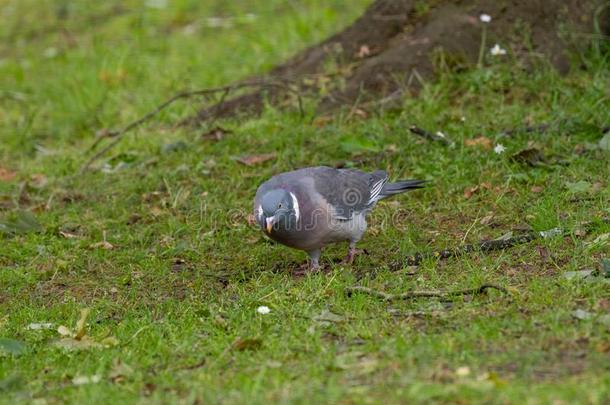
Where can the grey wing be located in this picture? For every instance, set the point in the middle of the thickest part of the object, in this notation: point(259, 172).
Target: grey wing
point(348, 191)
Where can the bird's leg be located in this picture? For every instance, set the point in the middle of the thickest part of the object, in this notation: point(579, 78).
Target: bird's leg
point(351, 253)
point(313, 265)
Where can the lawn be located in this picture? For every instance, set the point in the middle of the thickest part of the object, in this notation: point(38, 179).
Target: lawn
point(154, 242)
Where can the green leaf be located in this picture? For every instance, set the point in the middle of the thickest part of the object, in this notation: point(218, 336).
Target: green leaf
point(605, 268)
point(22, 222)
point(12, 346)
point(604, 143)
point(11, 383)
point(355, 144)
point(173, 147)
point(578, 187)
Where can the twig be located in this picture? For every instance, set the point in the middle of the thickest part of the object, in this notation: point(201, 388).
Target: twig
point(424, 294)
point(439, 136)
point(118, 135)
point(490, 245)
point(529, 129)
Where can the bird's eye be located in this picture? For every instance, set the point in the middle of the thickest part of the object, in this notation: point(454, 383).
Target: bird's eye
point(279, 205)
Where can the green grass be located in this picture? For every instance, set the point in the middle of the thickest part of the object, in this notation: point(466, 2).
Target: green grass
point(183, 281)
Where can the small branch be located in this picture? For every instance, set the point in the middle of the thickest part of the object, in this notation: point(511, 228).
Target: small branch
point(484, 246)
point(526, 130)
point(438, 137)
point(118, 135)
point(491, 245)
point(424, 294)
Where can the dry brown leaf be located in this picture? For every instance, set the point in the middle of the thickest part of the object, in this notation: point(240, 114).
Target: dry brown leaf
point(469, 191)
point(6, 174)
point(322, 121)
point(252, 160)
point(82, 323)
point(102, 245)
point(75, 344)
point(486, 219)
point(68, 235)
point(215, 134)
point(38, 180)
point(481, 141)
point(537, 189)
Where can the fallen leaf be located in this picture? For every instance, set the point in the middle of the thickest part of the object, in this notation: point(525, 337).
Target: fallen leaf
point(82, 323)
point(11, 383)
point(120, 371)
point(38, 180)
point(326, 317)
point(583, 315)
point(70, 344)
point(11, 346)
point(581, 186)
point(322, 121)
point(580, 274)
point(172, 147)
point(247, 344)
point(252, 160)
point(469, 191)
point(102, 245)
point(358, 144)
point(355, 362)
point(530, 156)
point(215, 134)
point(134, 219)
point(481, 141)
point(6, 174)
point(604, 143)
point(605, 267)
point(21, 222)
point(110, 341)
point(486, 219)
point(68, 235)
point(537, 189)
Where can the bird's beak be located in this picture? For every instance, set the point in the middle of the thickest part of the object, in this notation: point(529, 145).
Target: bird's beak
point(269, 222)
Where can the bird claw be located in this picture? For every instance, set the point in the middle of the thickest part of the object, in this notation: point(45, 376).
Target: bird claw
point(351, 254)
point(307, 268)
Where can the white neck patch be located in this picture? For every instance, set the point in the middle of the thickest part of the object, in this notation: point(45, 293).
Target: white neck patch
point(259, 212)
point(295, 206)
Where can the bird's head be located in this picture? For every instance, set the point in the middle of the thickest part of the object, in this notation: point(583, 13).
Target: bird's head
point(279, 209)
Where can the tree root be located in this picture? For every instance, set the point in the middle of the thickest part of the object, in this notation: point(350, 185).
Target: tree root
point(424, 294)
point(116, 136)
point(490, 245)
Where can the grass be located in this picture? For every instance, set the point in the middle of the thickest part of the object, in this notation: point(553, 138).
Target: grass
point(180, 287)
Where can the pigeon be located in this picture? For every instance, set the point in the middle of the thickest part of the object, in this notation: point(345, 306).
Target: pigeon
point(310, 208)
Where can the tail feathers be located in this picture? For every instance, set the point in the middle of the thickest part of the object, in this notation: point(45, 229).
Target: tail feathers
point(390, 189)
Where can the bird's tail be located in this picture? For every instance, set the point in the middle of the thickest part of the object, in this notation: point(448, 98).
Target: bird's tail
point(390, 189)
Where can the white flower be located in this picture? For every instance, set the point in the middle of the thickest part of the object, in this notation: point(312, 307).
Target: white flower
point(486, 18)
point(499, 148)
point(263, 310)
point(496, 50)
point(442, 135)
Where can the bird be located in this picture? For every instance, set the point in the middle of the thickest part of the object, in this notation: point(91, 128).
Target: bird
point(312, 207)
